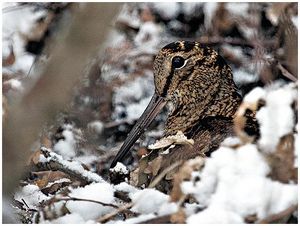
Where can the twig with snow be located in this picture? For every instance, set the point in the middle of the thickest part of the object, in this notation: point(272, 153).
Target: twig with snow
point(74, 169)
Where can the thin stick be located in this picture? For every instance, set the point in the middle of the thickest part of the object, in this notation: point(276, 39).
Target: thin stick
point(286, 73)
point(109, 216)
point(278, 216)
point(164, 173)
point(86, 200)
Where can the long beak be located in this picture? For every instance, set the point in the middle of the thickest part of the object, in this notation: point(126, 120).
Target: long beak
point(152, 110)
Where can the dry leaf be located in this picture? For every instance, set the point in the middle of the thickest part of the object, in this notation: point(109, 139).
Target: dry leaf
point(179, 138)
point(10, 59)
point(184, 173)
point(34, 157)
point(179, 217)
point(282, 161)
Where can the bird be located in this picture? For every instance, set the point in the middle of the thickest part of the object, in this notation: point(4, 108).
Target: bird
point(198, 84)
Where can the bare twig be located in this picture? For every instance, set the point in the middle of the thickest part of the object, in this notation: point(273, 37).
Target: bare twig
point(286, 73)
point(164, 173)
point(28, 208)
point(278, 216)
point(68, 198)
point(109, 216)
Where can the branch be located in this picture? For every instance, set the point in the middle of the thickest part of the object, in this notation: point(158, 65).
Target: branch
point(86, 200)
point(73, 169)
point(109, 216)
point(164, 173)
point(278, 216)
point(286, 73)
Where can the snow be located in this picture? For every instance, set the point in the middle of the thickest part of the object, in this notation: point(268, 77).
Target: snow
point(131, 18)
point(237, 8)
point(18, 25)
point(120, 168)
point(138, 219)
point(231, 141)
point(278, 106)
point(66, 147)
point(241, 77)
point(125, 187)
point(167, 208)
point(134, 111)
point(189, 8)
point(102, 192)
point(295, 21)
point(296, 146)
point(255, 95)
point(148, 38)
point(96, 126)
point(167, 9)
point(86, 159)
point(72, 218)
point(72, 166)
point(215, 216)
point(148, 200)
point(31, 194)
point(132, 98)
point(209, 11)
point(234, 184)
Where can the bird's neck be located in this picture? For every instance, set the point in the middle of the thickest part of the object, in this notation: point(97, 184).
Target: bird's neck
point(190, 111)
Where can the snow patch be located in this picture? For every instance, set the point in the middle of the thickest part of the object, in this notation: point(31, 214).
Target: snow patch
point(31, 194)
point(233, 184)
point(276, 118)
point(96, 126)
point(120, 168)
point(148, 200)
point(66, 147)
point(102, 192)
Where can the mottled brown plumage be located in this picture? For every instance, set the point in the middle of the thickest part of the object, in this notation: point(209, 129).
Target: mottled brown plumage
point(203, 88)
point(198, 83)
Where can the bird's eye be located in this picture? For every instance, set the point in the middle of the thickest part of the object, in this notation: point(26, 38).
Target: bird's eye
point(178, 62)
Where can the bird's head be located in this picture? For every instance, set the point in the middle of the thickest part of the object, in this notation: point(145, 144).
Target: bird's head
point(184, 63)
point(190, 76)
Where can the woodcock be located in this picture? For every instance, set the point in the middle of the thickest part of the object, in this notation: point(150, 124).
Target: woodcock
point(199, 84)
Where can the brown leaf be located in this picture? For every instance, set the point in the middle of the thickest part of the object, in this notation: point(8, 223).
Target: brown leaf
point(41, 183)
point(282, 161)
point(34, 157)
point(53, 188)
point(184, 173)
point(46, 142)
point(51, 175)
point(10, 59)
point(179, 217)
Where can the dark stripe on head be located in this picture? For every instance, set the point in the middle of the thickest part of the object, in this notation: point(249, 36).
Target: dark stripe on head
point(220, 62)
point(168, 83)
point(188, 46)
point(185, 46)
point(206, 51)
